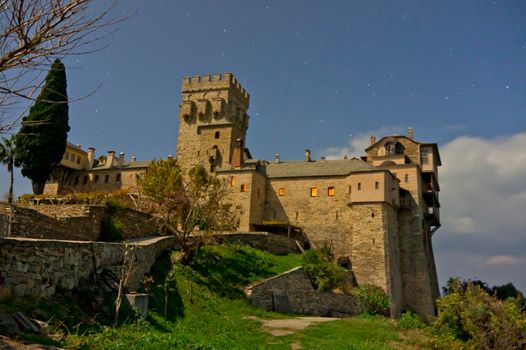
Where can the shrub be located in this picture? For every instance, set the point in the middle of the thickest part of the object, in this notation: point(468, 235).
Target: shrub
point(371, 300)
point(410, 320)
point(324, 275)
point(111, 229)
point(469, 313)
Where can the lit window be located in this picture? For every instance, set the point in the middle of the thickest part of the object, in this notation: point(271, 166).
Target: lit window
point(406, 178)
point(313, 191)
point(243, 188)
point(281, 192)
point(376, 185)
point(331, 191)
point(359, 186)
point(233, 181)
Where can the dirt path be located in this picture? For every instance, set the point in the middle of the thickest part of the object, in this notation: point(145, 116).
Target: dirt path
point(291, 325)
point(11, 344)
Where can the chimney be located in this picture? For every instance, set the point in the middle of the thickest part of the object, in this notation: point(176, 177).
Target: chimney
point(91, 157)
point(307, 155)
point(237, 156)
point(410, 133)
point(373, 139)
point(121, 159)
point(111, 159)
point(133, 158)
point(277, 159)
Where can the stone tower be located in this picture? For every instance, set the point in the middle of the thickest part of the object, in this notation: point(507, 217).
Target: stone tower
point(213, 122)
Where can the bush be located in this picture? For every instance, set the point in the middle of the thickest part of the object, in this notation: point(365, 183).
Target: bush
point(371, 300)
point(411, 320)
point(469, 313)
point(111, 229)
point(324, 275)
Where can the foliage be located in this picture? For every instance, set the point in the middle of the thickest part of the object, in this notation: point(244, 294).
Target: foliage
point(7, 157)
point(371, 300)
point(41, 140)
point(188, 202)
point(323, 274)
point(411, 320)
point(111, 227)
point(469, 313)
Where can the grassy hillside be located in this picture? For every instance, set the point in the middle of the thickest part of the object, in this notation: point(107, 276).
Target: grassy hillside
point(207, 310)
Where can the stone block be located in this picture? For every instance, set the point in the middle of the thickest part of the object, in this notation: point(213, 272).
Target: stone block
point(138, 301)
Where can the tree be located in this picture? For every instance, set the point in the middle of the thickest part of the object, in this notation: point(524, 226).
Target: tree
point(41, 141)
point(188, 202)
point(7, 156)
point(34, 31)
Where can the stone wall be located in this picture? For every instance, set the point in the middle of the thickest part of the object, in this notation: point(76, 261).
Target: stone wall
point(30, 223)
point(73, 221)
point(37, 268)
point(292, 292)
point(268, 242)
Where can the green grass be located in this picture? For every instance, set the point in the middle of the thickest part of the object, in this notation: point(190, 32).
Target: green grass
point(206, 310)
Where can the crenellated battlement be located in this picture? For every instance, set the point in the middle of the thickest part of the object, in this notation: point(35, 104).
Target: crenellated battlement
point(214, 82)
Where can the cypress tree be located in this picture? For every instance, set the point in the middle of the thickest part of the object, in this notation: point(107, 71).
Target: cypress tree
point(41, 141)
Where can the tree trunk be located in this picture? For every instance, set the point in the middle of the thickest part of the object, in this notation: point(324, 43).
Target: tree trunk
point(38, 187)
point(10, 195)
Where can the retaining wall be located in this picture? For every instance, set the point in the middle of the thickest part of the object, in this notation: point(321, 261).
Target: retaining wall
point(292, 292)
point(37, 267)
point(268, 242)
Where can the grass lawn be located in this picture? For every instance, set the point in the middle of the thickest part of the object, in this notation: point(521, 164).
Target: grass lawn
point(207, 310)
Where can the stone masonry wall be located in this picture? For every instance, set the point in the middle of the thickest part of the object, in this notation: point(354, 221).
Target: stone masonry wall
point(32, 224)
point(292, 292)
point(37, 268)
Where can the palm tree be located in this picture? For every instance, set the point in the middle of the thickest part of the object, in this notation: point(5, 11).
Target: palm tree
point(7, 155)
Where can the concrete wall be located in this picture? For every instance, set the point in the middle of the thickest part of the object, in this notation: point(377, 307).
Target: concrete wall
point(35, 267)
point(292, 292)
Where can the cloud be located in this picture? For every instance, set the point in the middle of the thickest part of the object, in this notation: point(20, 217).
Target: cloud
point(357, 144)
point(504, 260)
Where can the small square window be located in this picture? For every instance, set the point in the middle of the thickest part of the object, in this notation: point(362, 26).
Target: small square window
point(376, 185)
point(331, 191)
point(281, 192)
point(406, 178)
point(313, 191)
point(359, 186)
point(243, 188)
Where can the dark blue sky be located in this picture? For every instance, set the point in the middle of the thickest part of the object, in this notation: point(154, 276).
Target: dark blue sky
point(324, 75)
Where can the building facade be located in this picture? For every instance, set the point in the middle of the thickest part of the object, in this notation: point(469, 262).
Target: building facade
point(379, 211)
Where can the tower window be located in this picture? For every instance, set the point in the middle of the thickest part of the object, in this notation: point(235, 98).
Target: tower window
point(406, 178)
point(350, 189)
point(376, 185)
point(331, 191)
point(313, 191)
point(232, 181)
point(359, 186)
point(281, 192)
point(216, 135)
point(243, 188)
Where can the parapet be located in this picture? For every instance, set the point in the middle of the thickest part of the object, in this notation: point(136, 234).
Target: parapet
point(214, 82)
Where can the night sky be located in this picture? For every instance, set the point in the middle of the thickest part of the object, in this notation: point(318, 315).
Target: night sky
point(324, 76)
